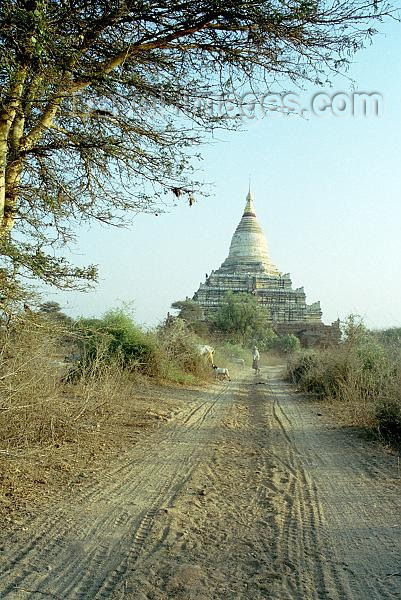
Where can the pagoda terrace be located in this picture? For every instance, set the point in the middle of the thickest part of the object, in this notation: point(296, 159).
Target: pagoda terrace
point(249, 268)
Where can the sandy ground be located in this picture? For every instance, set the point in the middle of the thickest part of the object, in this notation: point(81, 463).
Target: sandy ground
point(249, 491)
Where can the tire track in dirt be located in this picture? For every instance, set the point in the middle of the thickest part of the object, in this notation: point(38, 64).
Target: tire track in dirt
point(254, 521)
point(84, 551)
point(257, 522)
point(298, 550)
point(247, 494)
point(356, 487)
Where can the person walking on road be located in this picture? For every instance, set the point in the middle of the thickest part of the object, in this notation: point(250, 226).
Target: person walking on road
point(255, 360)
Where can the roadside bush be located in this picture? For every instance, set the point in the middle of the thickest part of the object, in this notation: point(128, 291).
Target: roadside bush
point(41, 402)
point(30, 407)
point(286, 344)
point(178, 354)
point(264, 338)
point(300, 367)
point(317, 372)
point(169, 352)
point(362, 376)
point(388, 416)
point(36, 407)
point(114, 338)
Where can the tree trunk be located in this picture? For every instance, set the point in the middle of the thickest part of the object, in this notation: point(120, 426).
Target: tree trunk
point(7, 118)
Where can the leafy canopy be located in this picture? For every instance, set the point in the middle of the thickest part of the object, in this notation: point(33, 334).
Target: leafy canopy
point(189, 310)
point(99, 103)
point(239, 313)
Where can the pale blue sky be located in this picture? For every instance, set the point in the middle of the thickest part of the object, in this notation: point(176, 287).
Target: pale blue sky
point(326, 195)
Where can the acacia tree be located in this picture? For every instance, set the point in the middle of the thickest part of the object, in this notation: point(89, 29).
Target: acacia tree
point(80, 134)
point(53, 312)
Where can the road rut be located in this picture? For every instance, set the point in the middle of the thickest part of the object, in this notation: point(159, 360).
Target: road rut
point(248, 493)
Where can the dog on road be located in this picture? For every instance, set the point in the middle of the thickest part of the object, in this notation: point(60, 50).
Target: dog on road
point(221, 373)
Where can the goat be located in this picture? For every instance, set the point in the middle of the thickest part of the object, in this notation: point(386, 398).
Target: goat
point(221, 372)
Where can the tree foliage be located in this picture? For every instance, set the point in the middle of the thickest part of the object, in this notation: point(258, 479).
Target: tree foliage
point(113, 337)
point(83, 134)
point(167, 352)
point(242, 317)
point(286, 344)
point(53, 312)
point(189, 310)
point(239, 314)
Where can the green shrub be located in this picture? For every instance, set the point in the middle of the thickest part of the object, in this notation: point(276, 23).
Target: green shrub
point(286, 344)
point(264, 338)
point(114, 337)
point(169, 352)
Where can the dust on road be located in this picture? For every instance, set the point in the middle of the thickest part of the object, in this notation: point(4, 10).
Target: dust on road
point(248, 493)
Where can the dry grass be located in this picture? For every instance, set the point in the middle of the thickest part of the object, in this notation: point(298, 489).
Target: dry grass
point(30, 407)
point(177, 357)
point(54, 433)
point(362, 381)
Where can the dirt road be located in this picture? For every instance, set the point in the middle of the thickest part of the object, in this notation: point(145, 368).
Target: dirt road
point(248, 493)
